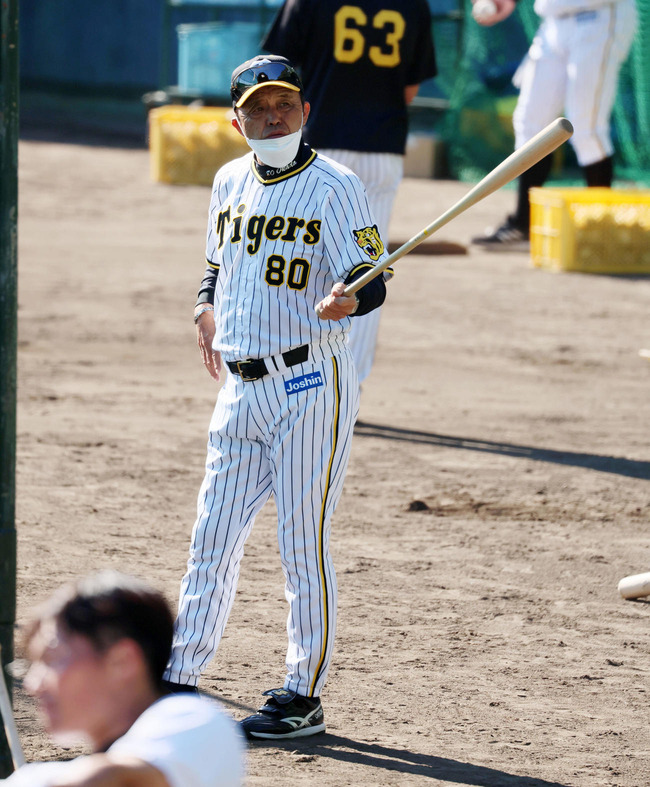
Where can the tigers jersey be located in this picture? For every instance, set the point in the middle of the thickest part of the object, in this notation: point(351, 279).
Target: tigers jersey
point(279, 246)
point(355, 59)
point(277, 242)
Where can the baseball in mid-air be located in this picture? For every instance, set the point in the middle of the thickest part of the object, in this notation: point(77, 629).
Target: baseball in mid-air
point(482, 9)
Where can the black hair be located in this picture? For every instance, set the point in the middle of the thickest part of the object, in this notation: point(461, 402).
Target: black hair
point(109, 606)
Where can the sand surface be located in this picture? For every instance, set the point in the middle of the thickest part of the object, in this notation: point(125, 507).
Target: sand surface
point(498, 487)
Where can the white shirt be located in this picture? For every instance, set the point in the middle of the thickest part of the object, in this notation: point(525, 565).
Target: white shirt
point(280, 248)
point(188, 738)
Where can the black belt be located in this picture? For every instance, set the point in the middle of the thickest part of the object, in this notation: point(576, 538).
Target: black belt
point(254, 368)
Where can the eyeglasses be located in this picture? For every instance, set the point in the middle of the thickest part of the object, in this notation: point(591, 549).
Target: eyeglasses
point(264, 72)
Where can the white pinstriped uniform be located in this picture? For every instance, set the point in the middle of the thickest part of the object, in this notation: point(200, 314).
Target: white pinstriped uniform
point(572, 67)
point(381, 174)
point(289, 432)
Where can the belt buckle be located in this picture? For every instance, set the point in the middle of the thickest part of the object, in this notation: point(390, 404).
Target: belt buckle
point(245, 377)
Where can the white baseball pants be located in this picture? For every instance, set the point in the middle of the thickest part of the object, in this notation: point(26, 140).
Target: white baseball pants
point(295, 446)
point(572, 67)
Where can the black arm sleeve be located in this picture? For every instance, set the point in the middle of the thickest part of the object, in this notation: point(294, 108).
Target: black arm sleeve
point(371, 295)
point(208, 283)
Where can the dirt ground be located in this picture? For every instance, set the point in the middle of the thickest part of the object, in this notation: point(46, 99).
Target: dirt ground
point(498, 488)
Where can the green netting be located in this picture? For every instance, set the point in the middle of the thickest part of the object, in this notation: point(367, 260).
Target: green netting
point(478, 126)
point(632, 110)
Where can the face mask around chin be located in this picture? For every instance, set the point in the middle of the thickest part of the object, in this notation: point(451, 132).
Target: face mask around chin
point(276, 152)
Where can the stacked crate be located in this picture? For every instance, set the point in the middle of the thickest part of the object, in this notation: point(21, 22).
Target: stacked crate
point(591, 230)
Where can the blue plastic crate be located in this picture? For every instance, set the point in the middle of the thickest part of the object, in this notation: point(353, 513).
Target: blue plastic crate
point(209, 53)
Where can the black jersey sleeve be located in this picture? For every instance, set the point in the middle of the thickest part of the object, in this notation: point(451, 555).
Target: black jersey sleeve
point(289, 33)
point(423, 64)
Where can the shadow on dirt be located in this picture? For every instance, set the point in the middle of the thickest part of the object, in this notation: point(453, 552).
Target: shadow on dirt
point(402, 761)
point(633, 468)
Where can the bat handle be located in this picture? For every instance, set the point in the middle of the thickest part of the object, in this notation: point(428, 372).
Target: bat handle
point(522, 159)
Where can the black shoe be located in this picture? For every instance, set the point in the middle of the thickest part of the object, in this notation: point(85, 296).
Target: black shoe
point(507, 237)
point(178, 688)
point(285, 715)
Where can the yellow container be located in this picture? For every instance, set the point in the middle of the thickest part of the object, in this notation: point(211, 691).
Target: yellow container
point(596, 230)
point(189, 144)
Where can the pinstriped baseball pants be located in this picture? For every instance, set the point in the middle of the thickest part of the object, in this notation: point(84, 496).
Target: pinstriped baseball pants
point(295, 446)
point(574, 63)
point(381, 174)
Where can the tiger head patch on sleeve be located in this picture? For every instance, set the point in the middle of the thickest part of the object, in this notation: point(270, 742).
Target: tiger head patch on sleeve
point(368, 239)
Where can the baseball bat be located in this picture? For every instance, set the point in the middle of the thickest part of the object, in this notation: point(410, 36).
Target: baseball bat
point(522, 159)
point(9, 722)
point(635, 586)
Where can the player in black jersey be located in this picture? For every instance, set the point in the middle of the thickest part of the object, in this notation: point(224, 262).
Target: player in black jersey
point(361, 62)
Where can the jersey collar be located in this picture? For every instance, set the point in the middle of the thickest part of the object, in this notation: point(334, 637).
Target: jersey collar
point(269, 175)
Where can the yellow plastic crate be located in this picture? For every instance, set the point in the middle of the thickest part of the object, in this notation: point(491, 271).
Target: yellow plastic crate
point(189, 144)
point(596, 230)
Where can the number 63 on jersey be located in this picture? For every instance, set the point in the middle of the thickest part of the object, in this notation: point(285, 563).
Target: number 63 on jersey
point(351, 27)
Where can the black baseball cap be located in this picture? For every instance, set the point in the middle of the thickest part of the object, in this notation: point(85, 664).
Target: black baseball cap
point(260, 71)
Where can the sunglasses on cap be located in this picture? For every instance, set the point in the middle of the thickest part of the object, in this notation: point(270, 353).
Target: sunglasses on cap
point(266, 72)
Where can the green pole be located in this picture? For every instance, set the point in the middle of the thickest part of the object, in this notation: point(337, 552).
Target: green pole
point(163, 77)
point(8, 336)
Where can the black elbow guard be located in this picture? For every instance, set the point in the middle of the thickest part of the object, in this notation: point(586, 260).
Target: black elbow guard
point(371, 295)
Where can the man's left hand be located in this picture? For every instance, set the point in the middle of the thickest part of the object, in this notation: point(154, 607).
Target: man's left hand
point(336, 306)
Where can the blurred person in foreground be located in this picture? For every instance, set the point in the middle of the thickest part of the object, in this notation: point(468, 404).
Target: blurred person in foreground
point(572, 67)
point(97, 650)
